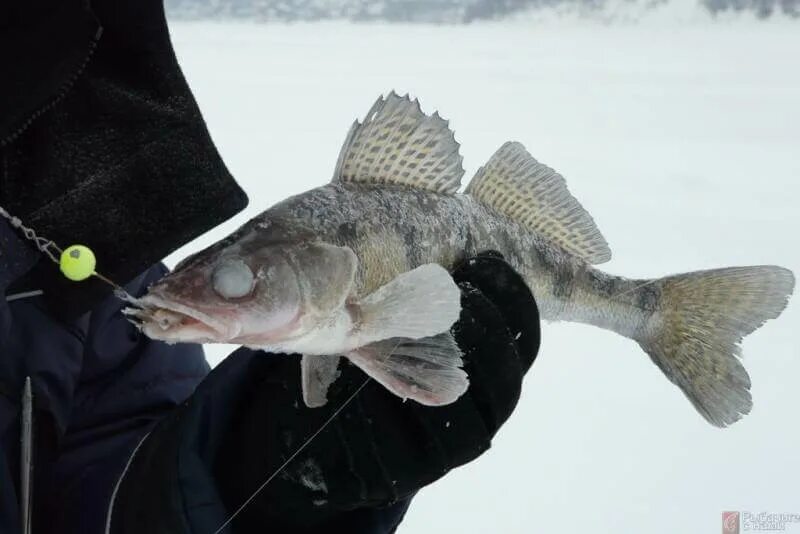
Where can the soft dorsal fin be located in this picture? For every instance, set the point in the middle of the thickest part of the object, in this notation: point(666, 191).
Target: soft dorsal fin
point(398, 144)
point(533, 194)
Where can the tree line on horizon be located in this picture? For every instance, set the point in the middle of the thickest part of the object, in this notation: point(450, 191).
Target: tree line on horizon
point(430, 11)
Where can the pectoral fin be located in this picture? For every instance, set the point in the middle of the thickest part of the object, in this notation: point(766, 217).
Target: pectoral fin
point(419, 303)
point(317, 374)
point(426, 370)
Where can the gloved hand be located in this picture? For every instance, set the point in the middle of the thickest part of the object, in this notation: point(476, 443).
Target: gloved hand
point(357, 474)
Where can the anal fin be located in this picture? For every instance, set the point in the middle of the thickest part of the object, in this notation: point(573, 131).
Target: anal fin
point(426, 370)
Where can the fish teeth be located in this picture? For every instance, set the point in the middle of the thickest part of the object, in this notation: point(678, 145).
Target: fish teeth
point(137, 316)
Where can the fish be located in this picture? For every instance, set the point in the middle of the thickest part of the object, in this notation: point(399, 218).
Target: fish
point(359, 269)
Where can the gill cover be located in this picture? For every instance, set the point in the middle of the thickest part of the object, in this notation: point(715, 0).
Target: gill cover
point(325, 275)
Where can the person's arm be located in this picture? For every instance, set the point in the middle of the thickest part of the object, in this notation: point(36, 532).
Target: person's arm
point(359, 474)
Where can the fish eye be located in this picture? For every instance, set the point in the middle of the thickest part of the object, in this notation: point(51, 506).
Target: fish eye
point(232, 279)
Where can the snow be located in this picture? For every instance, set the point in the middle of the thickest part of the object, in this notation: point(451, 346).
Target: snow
point(681, 138)
point(309, 475)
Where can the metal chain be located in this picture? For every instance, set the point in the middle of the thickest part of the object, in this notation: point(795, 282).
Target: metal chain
point(53, 251)
point(46, 246)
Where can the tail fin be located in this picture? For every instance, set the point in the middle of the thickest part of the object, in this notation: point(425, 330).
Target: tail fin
point(694, 337)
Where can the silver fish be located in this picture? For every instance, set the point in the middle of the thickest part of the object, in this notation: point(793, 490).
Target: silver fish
point(359, 268)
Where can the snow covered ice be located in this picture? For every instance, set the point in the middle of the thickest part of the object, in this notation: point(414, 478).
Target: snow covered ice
point(680, 135)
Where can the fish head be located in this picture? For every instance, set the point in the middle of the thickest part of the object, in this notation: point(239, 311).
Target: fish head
point(245, 294)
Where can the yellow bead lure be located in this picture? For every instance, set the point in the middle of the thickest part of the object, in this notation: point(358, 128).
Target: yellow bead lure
point(77, 262)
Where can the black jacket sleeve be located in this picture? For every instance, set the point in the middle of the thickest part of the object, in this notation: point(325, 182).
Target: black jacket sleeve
point(359, 473)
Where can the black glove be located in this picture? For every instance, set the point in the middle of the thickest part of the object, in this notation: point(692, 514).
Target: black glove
point(248, 417)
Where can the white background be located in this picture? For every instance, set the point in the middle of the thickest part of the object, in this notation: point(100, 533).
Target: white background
point(680, 135)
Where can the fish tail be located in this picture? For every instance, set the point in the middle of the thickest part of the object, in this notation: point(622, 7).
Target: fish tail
point(690, 324)
point(694, 334)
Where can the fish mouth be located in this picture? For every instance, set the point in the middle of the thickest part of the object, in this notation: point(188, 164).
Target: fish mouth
point(167, 320)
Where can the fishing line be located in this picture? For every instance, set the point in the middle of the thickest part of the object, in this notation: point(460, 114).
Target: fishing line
point(293, 456)
point(634, 288)
point(303, 446)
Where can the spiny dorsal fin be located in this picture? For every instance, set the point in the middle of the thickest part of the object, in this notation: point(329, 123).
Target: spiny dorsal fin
point(534, 195)
point(398, 144)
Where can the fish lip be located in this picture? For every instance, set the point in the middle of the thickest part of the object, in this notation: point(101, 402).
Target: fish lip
point(153, 302)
